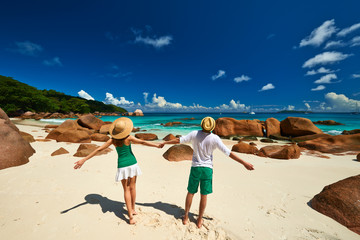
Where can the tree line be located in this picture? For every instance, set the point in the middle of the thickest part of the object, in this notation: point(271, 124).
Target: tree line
point(17, 97)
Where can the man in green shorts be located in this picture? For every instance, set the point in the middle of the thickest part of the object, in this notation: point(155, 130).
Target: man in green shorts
point(204, 143)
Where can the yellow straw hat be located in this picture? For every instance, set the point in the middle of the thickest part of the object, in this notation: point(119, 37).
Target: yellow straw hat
point(208, 124)
point(121, 128)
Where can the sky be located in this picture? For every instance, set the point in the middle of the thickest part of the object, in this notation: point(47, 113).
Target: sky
point(188, 56)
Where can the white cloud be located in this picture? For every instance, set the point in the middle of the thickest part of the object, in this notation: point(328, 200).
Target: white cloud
point(85, 95)
point(320, 70)
point(53, 62)
point(308, 106)
point(146, 97)
point(159, 102)
point(334, 44)
point(220, 74)
point(267, 87)
point(348, 30)
point(355, 76)
point(325, 58)
point(318, 88)
point(290, 107)
point(27, 48)
point(355, 41)
point(242, 78)
point(326, 79)
point(155, 42)
point(320, 34)
point(110, 99)
point(341, 103)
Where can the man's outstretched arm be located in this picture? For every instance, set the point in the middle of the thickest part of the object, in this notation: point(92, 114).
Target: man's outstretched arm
point(247, 165)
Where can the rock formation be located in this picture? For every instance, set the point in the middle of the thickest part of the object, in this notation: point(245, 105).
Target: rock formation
point(242, 147)
point(296, 126)
point(179, 152)
point(146, 136)
point(340, 201)
point(333, 144)
point(272, 127)
point(226, 127)
point(280, 152)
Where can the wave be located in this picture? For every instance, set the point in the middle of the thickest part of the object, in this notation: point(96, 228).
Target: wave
point(53, 120)
point(334, 132)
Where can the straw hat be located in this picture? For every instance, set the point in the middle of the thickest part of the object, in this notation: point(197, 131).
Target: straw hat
point(121, 128)
point(208, 124)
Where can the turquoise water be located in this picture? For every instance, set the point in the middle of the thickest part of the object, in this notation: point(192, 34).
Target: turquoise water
point(151, 122)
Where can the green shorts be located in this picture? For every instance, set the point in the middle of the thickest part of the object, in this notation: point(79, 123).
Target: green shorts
point(202, 175)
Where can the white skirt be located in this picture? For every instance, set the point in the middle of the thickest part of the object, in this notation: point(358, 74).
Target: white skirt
point(127, 172)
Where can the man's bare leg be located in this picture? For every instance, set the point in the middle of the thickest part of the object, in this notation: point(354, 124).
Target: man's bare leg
point(203, 201)
point(188, 201)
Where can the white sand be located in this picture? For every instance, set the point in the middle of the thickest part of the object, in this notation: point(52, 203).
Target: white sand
point(48, 199)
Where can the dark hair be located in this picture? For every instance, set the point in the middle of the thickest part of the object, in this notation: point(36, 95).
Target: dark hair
point(119, 142)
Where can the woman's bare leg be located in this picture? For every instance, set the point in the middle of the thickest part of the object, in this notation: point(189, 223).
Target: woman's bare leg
point(127, 196)
point(133, 193)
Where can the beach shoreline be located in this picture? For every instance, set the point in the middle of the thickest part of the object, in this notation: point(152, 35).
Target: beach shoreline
point(55, 201)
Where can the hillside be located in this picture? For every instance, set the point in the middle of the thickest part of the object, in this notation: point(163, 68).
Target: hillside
point(17, 97)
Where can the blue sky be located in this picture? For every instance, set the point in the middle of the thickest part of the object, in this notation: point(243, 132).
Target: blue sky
point(188, 55)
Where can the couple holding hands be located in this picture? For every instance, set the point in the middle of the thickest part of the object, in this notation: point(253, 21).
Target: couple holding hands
point(204, 142)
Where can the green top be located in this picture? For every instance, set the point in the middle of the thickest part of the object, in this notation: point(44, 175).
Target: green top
point(125, 156)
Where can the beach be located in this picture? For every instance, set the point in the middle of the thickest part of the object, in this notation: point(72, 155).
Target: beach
point(47, 199)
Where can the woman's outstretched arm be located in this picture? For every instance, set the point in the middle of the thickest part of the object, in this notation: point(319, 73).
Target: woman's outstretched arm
point(79, 163)
point(143, 142)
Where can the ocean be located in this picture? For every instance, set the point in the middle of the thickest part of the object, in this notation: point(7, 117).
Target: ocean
point(151, 122)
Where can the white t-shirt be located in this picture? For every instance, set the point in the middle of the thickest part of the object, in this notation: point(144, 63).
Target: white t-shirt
point(204, 144)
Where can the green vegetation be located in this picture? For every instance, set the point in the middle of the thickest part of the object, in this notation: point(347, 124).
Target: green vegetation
point(16, 96)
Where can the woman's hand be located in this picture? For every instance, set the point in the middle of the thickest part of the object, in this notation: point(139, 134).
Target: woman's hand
point(161, 145)
point(79, 163)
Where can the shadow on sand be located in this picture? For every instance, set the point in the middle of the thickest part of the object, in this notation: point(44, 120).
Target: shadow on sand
point(119, 209)
point(107, 205)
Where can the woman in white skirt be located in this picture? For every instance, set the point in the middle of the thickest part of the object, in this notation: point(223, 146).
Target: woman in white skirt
point(128, 168)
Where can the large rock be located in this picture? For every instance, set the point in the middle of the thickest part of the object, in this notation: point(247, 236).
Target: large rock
point(340, 201)
point(4, 116)
point(86, 149)
point(178, 153)
point(169, 137)
point(138, 112)
point(358, 157)
point(350, 132)
point(170, 124)
point(309, 137)
point(280, 152)
point(272, 127)
point(65, 126)
point(297, 126)
point(74, 136)
point(242, 147)
point(333, 144)
point(327, 122)
point(99, 137)
point(226, 127)
point(146, 136)
point(70, 131)
point(90, 121)
point(14, 150)
point(27, 137)
point(60, 151)
point(105, 128)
